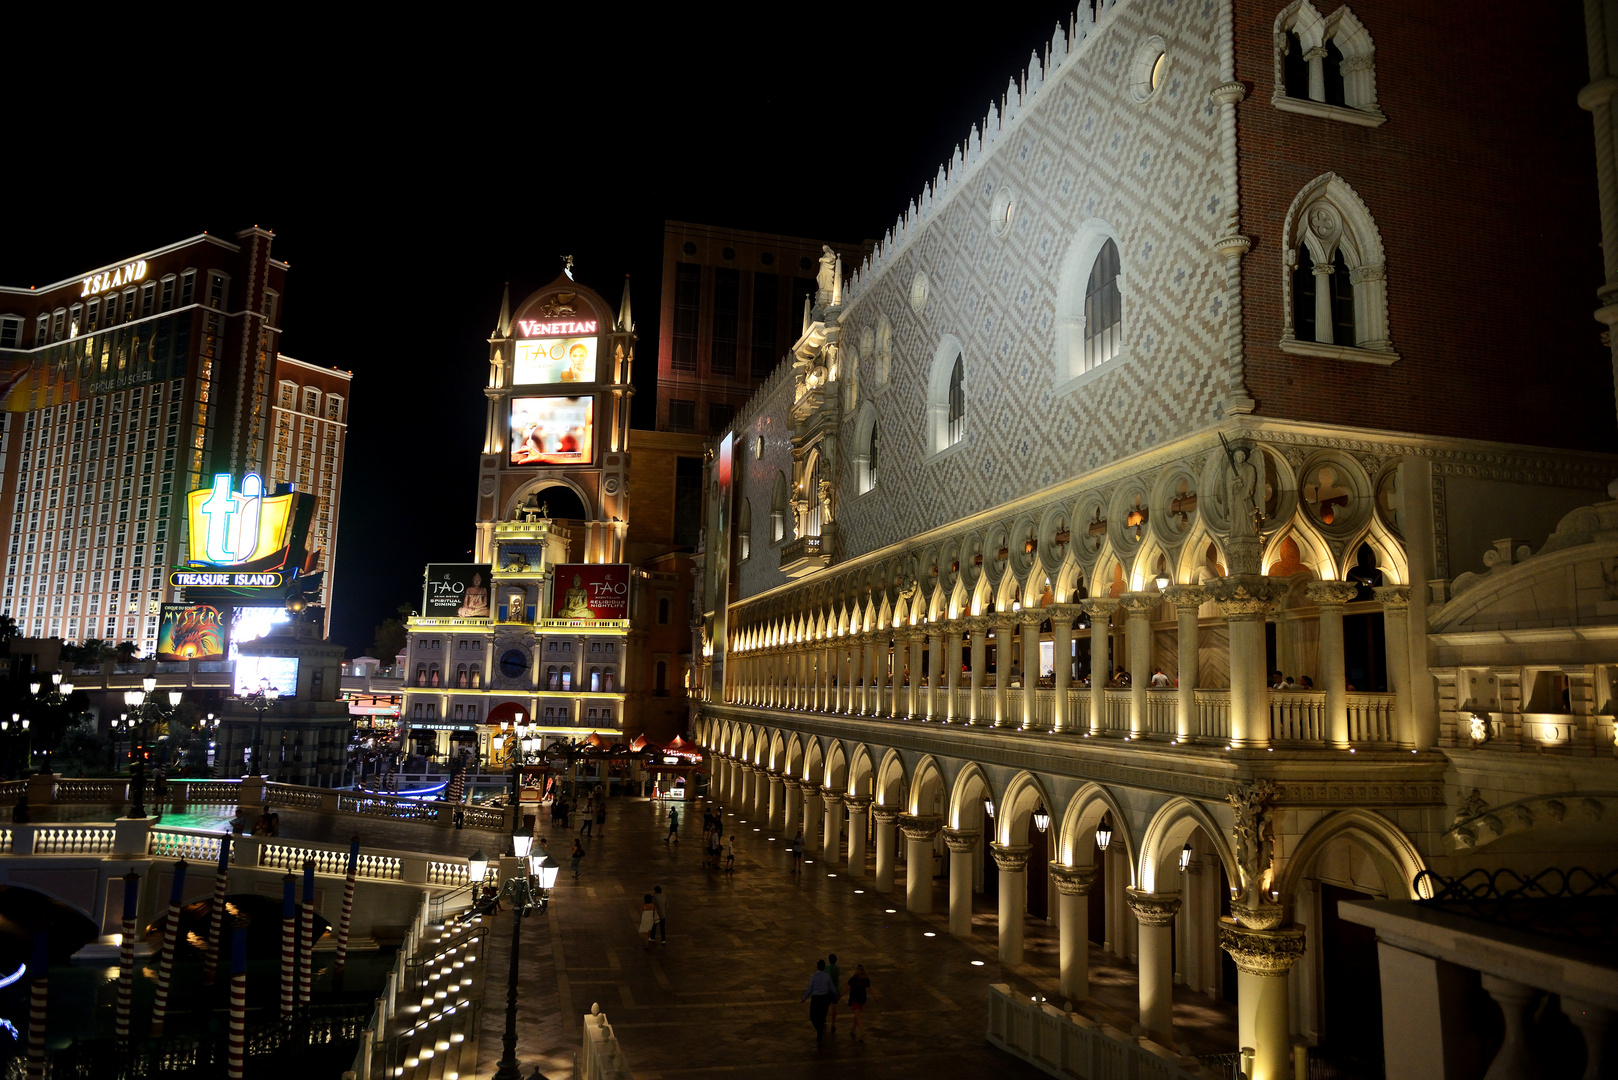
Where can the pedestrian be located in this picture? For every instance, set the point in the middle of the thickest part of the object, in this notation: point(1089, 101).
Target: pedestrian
point(819, 997)
point(238, 822)
point(577, 856)
point(795, 849)
point(835, 973)
point(730, 854)
point(661, 903)
point(648, 918)
point(674, 827)
point(601, 817)
point(586, 823)
point(460, 816)
point(859, 985)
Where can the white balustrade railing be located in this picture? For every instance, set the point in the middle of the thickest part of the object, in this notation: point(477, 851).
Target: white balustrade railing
point(206, 792)
point(1162, 712)
point(1071, 1045)
point(1370, 718)
point(1078, 710)
point(1013, 717)
point(73, 839)
point(101, 792)
point(1212, 719)
point(1044, 709)
point(1298, 716)
point(1115, 720)
point(192, 845)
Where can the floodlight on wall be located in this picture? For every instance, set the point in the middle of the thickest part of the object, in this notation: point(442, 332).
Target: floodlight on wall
point(1185, 855)
point(1042, 818)
point(1103, 834)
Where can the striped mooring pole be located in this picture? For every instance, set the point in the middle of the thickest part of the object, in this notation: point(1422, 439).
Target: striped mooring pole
point(238, 1001)
point(306, 953)
point(217, 920)
point(38, 994)
point(348, 910)
point(289, 942)
point(126, 954)
point(165, 965)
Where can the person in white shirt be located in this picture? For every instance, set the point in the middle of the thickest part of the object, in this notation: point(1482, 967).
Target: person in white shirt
point(1159, 680)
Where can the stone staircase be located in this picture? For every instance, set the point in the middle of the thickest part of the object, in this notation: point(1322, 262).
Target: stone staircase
point(436, 1036)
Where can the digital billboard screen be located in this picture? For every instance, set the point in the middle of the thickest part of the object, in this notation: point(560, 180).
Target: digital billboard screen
point(551, 430)
point(192, 632)
point(554, 360)
point(277, 676)
point(590, 591)
point(456, 591)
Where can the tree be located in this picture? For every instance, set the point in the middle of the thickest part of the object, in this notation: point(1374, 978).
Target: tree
point(126, 651)
point(389, 640)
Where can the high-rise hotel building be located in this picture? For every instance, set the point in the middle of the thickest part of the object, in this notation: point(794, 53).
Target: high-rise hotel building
point(121, 389)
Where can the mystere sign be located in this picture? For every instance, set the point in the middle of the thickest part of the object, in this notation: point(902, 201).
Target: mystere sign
point(591, 591)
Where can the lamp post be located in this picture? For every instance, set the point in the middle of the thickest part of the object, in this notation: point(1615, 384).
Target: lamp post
point(51, 707)
point(148, 709)
point(259, 702)
point(527, 891)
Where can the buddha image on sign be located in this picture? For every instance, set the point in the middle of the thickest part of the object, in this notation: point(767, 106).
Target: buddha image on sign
point(576, 601)
point(475, 601)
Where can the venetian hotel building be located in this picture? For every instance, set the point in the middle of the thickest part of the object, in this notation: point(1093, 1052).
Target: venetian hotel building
point(124, 387)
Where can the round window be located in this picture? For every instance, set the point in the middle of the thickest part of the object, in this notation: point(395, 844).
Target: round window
point(1001, 211)
point(514, 663)
point(689, 248)
point(918, 292)
point(1149, 69)
point(728, 253)
point(767, 258)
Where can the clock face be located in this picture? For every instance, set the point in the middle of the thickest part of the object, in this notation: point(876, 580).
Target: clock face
point(514, 663)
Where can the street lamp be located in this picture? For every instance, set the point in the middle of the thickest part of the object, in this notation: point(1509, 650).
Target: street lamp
point(259, 702)
point(148, 709)
point(52, 708)
point(528, 892)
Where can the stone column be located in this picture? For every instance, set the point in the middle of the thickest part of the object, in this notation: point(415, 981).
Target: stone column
point(884, 818)
point(962, 843)
point(1073, 928)
point(1012, 859)
point(857, 805)
point(1186, 600)
point(1030, 667)
point(1246, 599)
point(919, 833)
point(1155, 912)
point(1100, 612)
point(792, 792)
point(1005, 623)
point(935, 674)
point(952, 668)
point(831, 843)
point(1396, 621)
point(917, 709)
point(773, 815)
point(845, 677)
point(1062, 655)
point(733, 780)
point(868, 704)
point(749, 790)
point(828, 678)
point(1263, 958)
point(811, 815)
point(883, 646)
point(1329, 597)
point(1139, 606)
point(978, 627)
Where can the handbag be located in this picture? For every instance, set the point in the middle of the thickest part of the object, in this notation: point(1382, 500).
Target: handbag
point(646, 917)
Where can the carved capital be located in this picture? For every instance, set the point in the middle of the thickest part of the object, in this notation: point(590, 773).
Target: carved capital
point(1100, 609)
point(1058, 613)
point(1033, 616)
point(978, 624)
point(920, 828)
point(1153, 909)
point(1230, 93)
point(857, 804)
point(791, 785)
point(1233, 246)
point(1073, 880)
point(830, 794)
point(1261, 952)
point(1186, 596)
point(1139, 605)
point(1012, 858)
point(775, 775)
point(1246, 595)
point(961, 840)
point(1330, 593)
point(1393, 596)
point(885, 815)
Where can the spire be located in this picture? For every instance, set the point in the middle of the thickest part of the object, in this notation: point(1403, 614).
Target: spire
point(806, 320)
point(837, 284)
point(502, 325)
point(626, 317)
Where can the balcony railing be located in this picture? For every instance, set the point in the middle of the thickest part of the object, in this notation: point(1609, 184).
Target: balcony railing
point(804, 555)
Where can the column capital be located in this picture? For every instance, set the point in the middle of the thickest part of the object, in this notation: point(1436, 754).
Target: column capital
point(1330, 593)
point(1099, 607)
point(978, 624)
point(791, 783)
point(885, 815)
point(1033, 616)
point(1246, 595)
point(920, 828)
point(1261, 952)
point(961, 840)
point(1073, 880)
point(776, 775)
point(857, 804)
point(1058, 612)
point(830, 794)
point(1153, 909)
point(1139, 605)
point(1393, 596)
point(1012, 858)
point(1186, 596)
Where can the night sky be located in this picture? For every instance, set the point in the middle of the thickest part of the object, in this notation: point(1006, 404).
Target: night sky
point(408, 173)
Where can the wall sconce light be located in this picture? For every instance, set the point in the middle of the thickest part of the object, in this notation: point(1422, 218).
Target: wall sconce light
point(1185, 856)
point(1042, 818)
point(1163, 581)
point(1103, 834)
point(988, 805)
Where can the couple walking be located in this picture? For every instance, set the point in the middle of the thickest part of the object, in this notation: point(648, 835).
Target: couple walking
point(826, 988)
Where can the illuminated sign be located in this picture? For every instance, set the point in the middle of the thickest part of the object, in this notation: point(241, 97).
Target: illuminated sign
point(591, 591)
point(217, 579)
point(551, 430)
point(115, 278)
point(191, 632)
point(231, 528)
point(457, 591)
point(277, 676)
point(558, 328)
point(553, 360)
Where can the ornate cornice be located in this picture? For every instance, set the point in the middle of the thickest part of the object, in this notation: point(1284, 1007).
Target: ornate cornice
point(1012, 858)
point(962, 840)
point(1186, 596)
point(1073, 880)
point(920, 827)
point(1266, 953)
point(1153, 909)
point(1330, 593)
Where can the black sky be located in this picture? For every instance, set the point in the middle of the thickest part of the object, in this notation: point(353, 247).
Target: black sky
point(409, 170)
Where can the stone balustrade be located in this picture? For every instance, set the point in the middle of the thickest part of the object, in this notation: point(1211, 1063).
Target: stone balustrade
point(1068, 1044)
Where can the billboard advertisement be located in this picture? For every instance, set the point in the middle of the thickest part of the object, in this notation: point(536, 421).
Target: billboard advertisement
point(191, 632)
point(551, 430)
point(247, 528)
point(277, 676)
point(590, 591)
point(251, 622)
point(456, 591)
point(554, 360)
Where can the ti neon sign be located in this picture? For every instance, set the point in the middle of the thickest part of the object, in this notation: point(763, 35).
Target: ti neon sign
point(126, 274)
point(234, 528)
point(219, 579)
